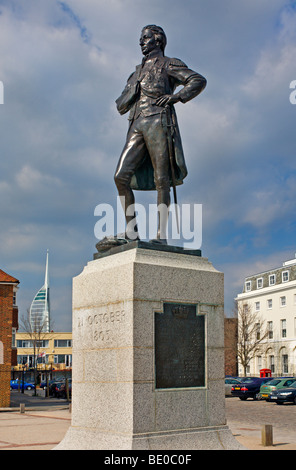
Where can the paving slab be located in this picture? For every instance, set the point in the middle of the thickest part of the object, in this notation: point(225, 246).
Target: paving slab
point(43, 427)
point(33, 430)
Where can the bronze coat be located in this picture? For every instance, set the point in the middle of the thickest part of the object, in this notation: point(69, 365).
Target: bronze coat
point(152, 79)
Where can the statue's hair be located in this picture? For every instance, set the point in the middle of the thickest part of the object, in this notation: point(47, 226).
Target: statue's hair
point(159, 34)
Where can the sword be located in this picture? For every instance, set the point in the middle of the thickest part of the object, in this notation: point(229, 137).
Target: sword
point(170, 132)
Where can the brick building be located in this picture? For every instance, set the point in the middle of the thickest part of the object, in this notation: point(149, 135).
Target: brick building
point(230, 341)
point(8, 328)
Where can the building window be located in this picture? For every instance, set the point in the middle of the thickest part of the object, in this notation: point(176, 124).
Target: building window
point(13, 338)
point(62, 343)
point(259, 363)
point(260, 283)
point(283, 328)
point(25, 343)
point(285, 276)
point(271, 364)
point(248, 286)
point(272, 279)
point(257, 330)
point(269, 303)
point(42, 358)
point(1, 353)
point(285, 359)
point(25, 360)
point(283, 301)
point(44, 343)
point(14, 298)
point(257, 306)
point(63, 359)
point(270, 329)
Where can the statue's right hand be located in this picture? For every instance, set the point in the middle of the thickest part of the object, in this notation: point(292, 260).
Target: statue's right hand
point(166, 100)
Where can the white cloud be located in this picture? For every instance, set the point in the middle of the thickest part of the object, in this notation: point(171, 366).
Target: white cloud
point(273, 73)
point(30, 179)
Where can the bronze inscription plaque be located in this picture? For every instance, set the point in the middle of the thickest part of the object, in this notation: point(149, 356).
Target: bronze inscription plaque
point(179, 347)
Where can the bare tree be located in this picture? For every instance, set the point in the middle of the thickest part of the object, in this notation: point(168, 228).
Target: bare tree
point(37, 333)
point(252, 331)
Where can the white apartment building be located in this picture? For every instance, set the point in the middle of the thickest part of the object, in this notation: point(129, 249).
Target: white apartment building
point(272, 294)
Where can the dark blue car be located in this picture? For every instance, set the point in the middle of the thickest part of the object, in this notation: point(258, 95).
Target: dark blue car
point(283, 395)
point(15, 384)
point(249, 387)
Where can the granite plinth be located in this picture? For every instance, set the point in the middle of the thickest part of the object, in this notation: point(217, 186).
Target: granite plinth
point(147, 246)
point(116, 402)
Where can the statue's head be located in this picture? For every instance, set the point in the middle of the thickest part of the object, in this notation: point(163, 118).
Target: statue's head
point(152, 37)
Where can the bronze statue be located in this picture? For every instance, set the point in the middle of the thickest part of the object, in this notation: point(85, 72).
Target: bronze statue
point(153, 157)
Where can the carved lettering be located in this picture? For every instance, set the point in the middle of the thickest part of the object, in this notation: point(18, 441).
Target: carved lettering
point(102, 335)
point(101, 326)
point(112, 317)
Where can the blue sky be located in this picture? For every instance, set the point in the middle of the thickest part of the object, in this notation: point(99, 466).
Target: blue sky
point(63, 64)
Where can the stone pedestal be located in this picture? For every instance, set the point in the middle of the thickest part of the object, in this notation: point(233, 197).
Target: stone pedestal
point(130, 388)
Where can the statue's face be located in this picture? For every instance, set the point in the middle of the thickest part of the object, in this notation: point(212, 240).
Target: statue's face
point(147, 41)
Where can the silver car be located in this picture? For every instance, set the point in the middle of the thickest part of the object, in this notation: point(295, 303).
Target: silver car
point(229, 382)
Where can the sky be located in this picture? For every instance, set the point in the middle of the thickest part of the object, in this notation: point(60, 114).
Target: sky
point(64, 63)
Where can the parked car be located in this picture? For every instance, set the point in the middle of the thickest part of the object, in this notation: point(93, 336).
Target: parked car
point(61, 390)
point(53, 387)
point(58, 389)
point(249, 387)
point(15, 384)
point(229, 382)
point(274, 384)
point(283, 395)
point(44, 384)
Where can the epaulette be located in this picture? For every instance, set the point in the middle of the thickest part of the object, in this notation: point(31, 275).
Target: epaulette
point(177, 63)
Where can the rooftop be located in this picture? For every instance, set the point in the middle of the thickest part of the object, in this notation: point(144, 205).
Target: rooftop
point(276, 278)
point(4, 277)
point(285, 264)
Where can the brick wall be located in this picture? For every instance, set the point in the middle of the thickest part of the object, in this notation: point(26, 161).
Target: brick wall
point(4, 386)
point(6, 315)
point(230, 341)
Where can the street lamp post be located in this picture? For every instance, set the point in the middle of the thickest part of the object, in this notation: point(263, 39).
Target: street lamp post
point(23, 378)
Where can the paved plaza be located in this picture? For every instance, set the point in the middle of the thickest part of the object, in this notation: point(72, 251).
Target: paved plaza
point(246, 418)
point(46, 421)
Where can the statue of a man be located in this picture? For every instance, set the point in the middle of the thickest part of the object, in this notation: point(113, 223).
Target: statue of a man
point(152, 157)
